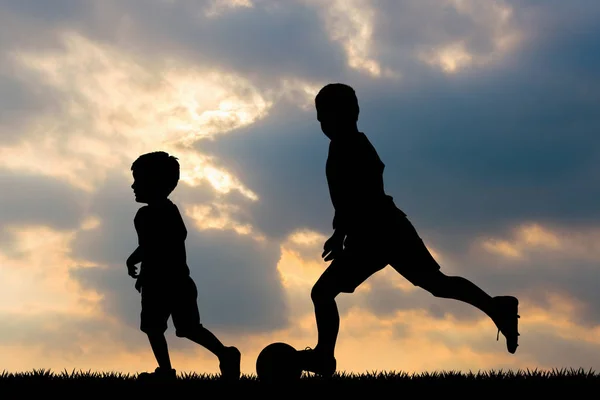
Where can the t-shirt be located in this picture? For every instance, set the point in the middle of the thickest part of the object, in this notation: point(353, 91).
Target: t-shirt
point(355, 178)
point(161, 236)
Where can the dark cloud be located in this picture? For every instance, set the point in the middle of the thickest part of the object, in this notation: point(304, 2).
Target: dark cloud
point(60, 11)
point(19, 101)
point(466, 155)
point(55, 333)
point(261, 42)
point(476, 152)
point(404, 28)
point(282, 159)
point(34, 200)
point(239, 285)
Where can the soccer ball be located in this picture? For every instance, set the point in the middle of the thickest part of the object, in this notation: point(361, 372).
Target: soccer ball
point(277, 363)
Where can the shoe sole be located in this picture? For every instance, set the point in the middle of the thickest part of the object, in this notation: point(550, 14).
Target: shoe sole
point(512, 305)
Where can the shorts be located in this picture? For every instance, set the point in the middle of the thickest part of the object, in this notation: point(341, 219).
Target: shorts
point(177, 299)
point(397, 244)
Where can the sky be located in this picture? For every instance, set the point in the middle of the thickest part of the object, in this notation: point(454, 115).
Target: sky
point(485, 113)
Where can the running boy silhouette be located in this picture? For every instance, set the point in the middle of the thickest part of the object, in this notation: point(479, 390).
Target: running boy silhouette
point(370, 232)
point(164, 279)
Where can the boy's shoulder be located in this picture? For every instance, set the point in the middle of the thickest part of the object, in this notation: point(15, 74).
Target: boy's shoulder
point(356, 146)
point(168, 208)
point(141, 213)
point(142, 210)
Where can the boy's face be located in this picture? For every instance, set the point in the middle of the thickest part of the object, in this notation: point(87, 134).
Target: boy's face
point(143, 189)
point(333, 123)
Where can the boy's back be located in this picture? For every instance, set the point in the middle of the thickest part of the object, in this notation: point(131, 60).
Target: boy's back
point(161, 234)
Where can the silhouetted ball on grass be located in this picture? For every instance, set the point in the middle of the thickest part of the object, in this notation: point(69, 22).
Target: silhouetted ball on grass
point(278, 362)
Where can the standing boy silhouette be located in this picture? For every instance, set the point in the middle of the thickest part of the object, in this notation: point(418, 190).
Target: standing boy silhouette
point(164, 279)
point(370, 232)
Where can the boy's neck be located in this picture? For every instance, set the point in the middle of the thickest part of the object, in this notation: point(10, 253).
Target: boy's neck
point(158, 202)
point(345, 133)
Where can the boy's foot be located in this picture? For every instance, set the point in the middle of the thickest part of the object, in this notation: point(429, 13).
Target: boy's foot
point(506, 317)
point(314, 361)
point(230, 364)
point(159, 375)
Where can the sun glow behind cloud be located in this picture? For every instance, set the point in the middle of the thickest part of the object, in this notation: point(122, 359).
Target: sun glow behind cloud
point(114, 108)
point(104, 106)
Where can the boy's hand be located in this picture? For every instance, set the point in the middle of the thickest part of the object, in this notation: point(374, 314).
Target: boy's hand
point(132, 270)
point(333, 247)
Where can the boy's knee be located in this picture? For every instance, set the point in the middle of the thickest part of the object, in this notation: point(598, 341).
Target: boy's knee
point(322, 292)
point(152, 326)
point(435, 283)
point(153, 332)
point(183, 333)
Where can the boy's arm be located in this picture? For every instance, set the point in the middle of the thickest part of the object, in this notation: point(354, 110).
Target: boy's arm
point(338, 227)
point(335, 244)
point(135, 257)
point(132, 260)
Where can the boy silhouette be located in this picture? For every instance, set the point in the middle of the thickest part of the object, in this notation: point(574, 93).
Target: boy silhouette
point(164, 280)
point(370, 232)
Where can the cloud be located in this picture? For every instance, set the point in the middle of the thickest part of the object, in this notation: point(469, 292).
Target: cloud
point(489, 140)
point(449, 35)
point(36, 200)
point(218, 7)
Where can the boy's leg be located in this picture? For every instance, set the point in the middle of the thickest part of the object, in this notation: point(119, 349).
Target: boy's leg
point(154, 316)
point(418, 266)
point(186, 318)
point(158, 342)
point(344, 275)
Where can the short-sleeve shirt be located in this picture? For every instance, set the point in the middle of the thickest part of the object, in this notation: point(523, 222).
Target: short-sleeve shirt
point(161, 237)
point(355, 179)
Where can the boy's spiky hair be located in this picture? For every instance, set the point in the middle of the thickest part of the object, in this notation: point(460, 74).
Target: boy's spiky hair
point(338, 98)
point(163, 168)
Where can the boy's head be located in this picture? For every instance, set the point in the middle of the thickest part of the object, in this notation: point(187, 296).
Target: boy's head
point(155, 176)
point(337, 108)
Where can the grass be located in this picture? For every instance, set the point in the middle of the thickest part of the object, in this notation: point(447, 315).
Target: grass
point(82, 384)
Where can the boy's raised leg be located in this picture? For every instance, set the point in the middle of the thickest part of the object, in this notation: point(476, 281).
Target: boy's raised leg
point(503, 310)
point(421, 269)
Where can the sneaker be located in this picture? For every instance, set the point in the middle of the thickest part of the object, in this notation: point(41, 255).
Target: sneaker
point(313, 361)
point(506, 318)
point(230, 364)
point(159, 375)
